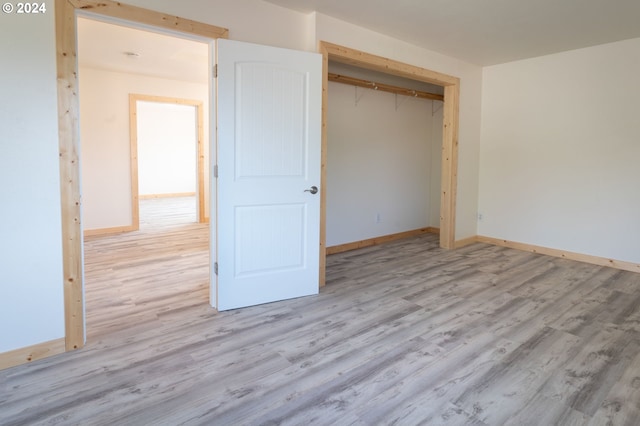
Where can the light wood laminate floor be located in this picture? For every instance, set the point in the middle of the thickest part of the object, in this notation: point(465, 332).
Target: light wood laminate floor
point(404, 333)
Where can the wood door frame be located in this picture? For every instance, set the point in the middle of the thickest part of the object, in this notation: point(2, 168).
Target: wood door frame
point(69, 134)
point(133, 138)
point(451, 108)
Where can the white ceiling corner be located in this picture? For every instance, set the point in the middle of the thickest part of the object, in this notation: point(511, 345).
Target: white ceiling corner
point(487, 32)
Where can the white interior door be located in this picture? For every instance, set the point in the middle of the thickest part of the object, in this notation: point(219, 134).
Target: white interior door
point(268, 222)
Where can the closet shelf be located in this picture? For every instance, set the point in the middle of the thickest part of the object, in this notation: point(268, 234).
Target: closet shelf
point(384, 87)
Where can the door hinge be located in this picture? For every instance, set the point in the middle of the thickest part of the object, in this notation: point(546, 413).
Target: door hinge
point(215, 171)
point(215, 268)
point(215, 71)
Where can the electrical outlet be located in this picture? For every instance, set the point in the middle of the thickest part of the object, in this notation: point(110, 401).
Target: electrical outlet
point(480, 217)
point(378, 217)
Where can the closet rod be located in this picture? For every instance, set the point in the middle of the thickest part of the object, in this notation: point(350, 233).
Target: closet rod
point(384, 87)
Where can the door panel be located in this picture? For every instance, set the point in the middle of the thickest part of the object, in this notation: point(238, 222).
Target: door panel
point(269, 239)
point(269, 118)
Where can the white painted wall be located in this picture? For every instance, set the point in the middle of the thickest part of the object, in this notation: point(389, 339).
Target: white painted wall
point(343, 33)
point(560, 151)
point(167, 141)
point(104, 133)
point(31, 292)
point(379, 164)
point(435, 193)
point(252, 21)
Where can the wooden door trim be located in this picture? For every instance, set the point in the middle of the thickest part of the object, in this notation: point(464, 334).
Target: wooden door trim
point(133, 138)
point(69, 135)
point(451, 107)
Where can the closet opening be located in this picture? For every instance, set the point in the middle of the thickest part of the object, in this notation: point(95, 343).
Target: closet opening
point(370, 73)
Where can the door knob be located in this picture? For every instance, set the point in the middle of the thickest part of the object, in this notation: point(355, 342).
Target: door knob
point(312, 190)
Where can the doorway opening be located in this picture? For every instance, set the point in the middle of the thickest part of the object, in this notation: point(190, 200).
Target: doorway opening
point(135, 86)
point(167, 144)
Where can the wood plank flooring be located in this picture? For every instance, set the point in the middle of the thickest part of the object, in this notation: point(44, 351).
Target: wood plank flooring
point(134, 277)
point(404, 333)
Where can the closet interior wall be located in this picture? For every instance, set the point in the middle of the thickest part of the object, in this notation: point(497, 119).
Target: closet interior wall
point(383, 158)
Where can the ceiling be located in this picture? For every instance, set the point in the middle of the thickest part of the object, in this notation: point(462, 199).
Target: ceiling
point(104, 46)
point(488, 32)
